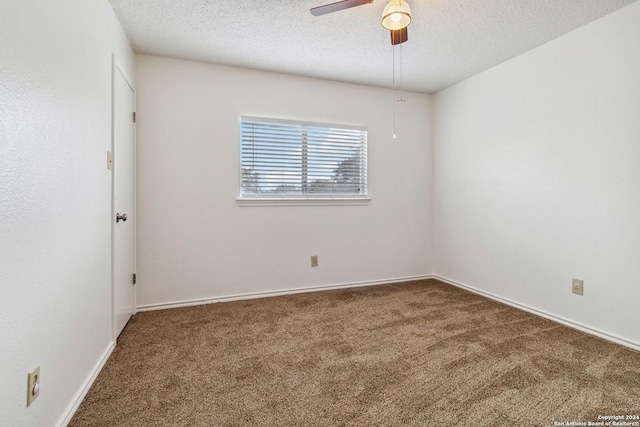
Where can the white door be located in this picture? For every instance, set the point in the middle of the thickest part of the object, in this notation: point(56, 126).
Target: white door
point(123, 202)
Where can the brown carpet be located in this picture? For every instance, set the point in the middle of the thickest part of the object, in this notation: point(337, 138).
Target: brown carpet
point(417, 353)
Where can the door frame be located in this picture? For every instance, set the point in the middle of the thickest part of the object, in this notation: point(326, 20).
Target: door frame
point(117, 68)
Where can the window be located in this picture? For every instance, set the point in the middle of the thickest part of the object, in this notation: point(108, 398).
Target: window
point(295, 161)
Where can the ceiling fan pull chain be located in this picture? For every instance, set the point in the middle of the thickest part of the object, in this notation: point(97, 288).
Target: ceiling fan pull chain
point(393, 91)
point(401, 87)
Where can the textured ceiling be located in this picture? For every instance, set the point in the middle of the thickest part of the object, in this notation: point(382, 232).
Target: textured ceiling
point(449, 40)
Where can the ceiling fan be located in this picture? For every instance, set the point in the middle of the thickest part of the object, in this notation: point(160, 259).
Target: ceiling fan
point(396, 15)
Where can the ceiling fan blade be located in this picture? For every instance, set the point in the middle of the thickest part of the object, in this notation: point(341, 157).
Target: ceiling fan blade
point(339, 5)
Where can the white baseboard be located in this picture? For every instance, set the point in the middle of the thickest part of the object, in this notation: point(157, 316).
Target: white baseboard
point(561, 320)
point(266, 294)
point(73, 407)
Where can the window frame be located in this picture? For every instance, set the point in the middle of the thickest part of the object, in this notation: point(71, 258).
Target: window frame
point(304, 199)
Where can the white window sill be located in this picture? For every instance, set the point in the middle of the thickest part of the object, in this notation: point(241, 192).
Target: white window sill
point(302, 201)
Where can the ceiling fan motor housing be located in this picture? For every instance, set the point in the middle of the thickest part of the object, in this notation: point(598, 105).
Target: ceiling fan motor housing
point(399, 36)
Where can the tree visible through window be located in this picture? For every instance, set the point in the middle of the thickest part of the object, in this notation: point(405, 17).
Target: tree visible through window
point(282, 158)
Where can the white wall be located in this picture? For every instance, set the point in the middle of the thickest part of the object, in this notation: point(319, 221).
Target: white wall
point(195, 242)
point(55, 199)
point(537, 177)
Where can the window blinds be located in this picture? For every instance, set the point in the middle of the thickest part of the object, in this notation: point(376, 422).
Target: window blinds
point(282, 158)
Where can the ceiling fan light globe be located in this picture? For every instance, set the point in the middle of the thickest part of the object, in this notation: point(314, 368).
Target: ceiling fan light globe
point(396, 15)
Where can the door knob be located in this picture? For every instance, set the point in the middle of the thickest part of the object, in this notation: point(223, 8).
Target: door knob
point(122, 217)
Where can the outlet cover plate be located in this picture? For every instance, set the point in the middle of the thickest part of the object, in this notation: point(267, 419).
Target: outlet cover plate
point(314, 260)
point(33, 385)
point(577, 286)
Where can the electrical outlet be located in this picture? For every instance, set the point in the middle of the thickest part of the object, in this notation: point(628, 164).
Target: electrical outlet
point(314, 260)
point(33, 385)
point(577, 286)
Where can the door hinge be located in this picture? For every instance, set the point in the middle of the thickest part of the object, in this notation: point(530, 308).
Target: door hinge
point(134, 117)
point(134, 278)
